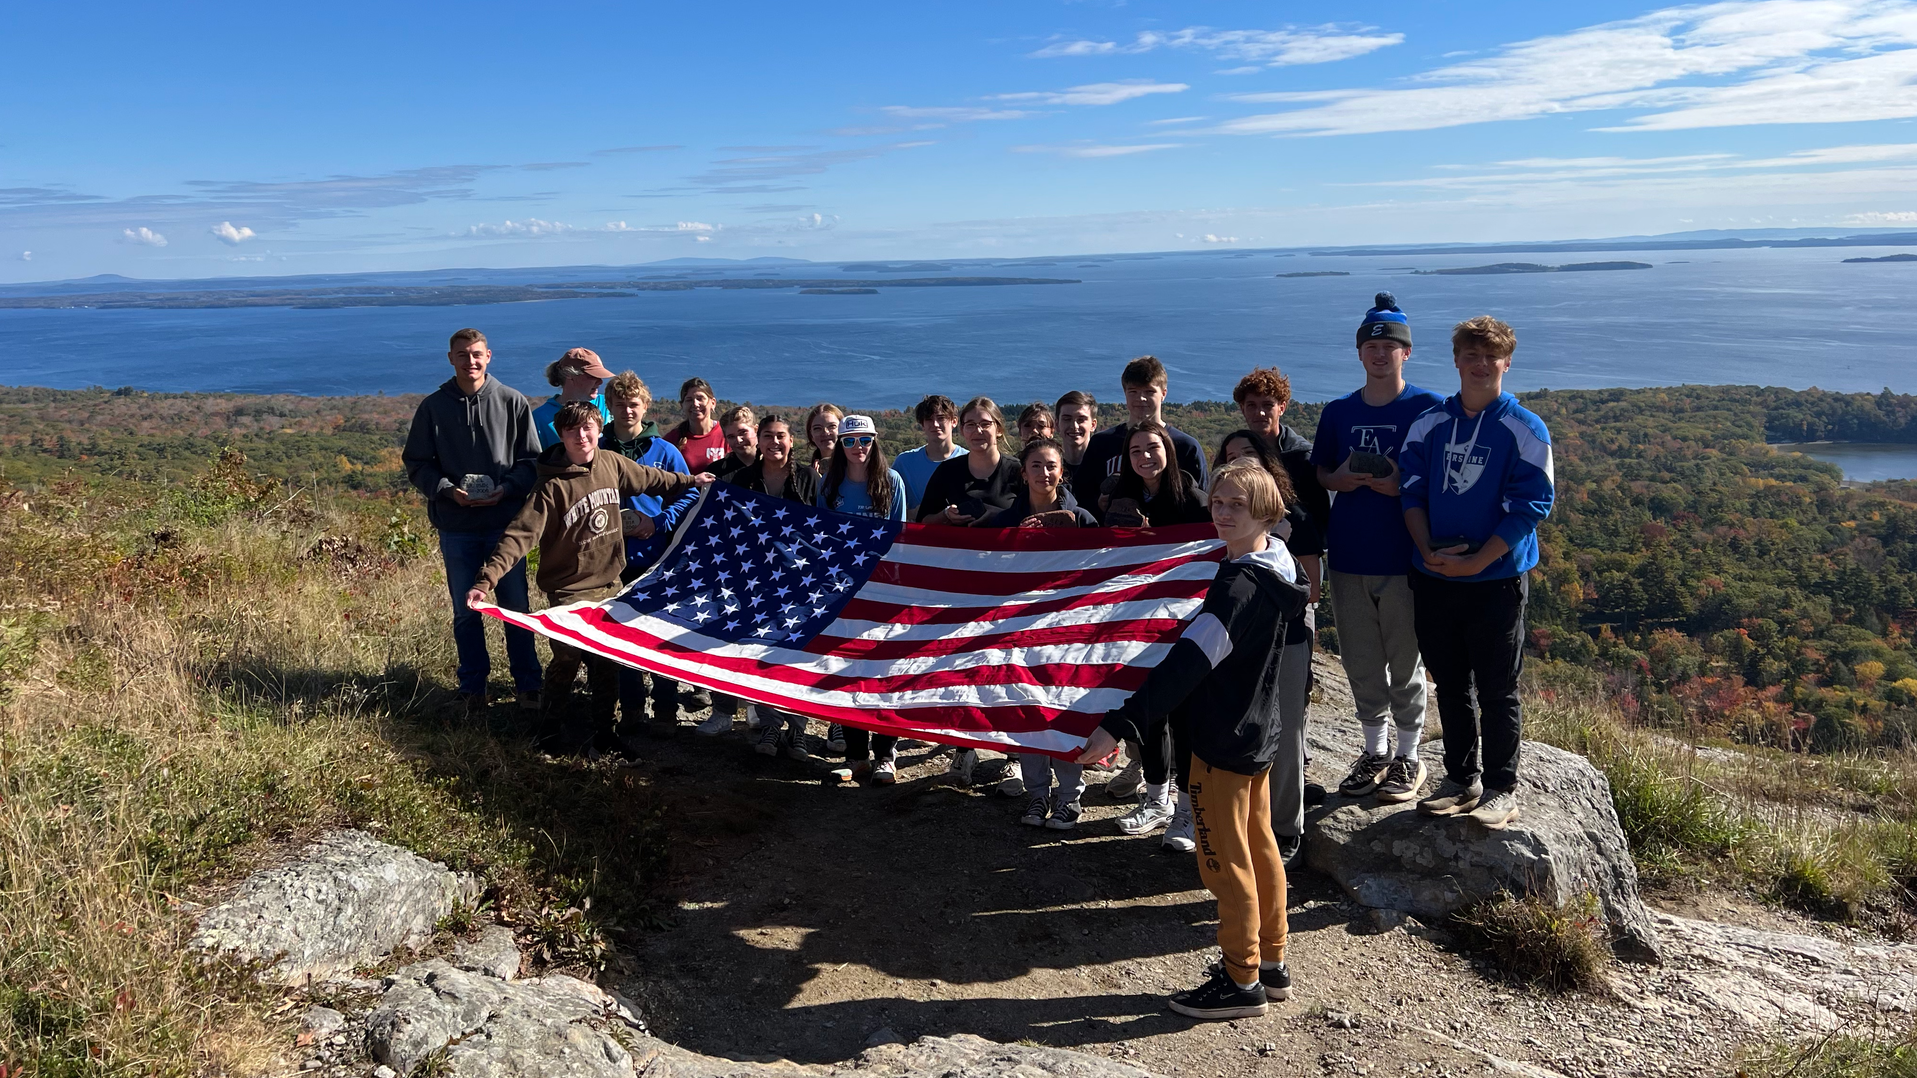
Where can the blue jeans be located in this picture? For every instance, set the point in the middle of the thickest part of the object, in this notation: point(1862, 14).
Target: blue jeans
point(465, 553)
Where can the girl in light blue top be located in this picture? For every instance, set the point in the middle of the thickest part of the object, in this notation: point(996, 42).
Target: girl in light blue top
point(858, 481)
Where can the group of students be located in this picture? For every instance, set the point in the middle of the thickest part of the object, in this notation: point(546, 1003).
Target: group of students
point(1416, 512)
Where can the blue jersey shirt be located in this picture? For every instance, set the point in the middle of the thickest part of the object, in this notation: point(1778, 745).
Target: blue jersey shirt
point(543, 417)
point(1366, 535)
point(916, 469)
point(1480, 476)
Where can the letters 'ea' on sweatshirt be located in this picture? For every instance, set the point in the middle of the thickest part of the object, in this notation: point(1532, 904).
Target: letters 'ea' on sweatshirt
point(1017, 639)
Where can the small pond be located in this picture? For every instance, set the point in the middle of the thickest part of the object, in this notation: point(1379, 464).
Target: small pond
point(1862, 462)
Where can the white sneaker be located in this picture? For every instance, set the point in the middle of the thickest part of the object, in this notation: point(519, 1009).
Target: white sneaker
point(963, 761)
point(1127, 782)
point(1149, 816)
point(1180, 834)
point(717, 723)
point(885, 773)
point(1013, 784)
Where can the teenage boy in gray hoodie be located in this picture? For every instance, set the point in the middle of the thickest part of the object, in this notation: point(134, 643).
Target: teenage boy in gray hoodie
point(470, 453)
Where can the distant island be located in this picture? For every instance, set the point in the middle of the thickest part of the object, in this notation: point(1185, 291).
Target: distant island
point(468, 295)
point(1316, 273)
point(1499, 268)
point(838, 291)
point(1886, 258)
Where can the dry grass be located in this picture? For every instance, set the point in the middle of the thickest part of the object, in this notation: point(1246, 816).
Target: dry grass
point(1532, 940)
point(189, 684)
point(1789, 825)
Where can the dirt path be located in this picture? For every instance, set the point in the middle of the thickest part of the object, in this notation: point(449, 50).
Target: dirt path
point(811, 917)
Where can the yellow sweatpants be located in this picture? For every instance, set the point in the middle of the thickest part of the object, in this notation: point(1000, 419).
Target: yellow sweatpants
point(1238, 859)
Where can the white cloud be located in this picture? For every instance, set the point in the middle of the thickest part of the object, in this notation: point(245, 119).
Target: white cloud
point(1177, 120)
point(1097, 93)
point(1542, 170)
point(818, 222)
point(1098, 150)
point(26, 256)
point(1209, 238)
point(1715, 65)
point(531, 226)
point(696, 226)
point(232, 237)
point(1883, 217)
point(1271, 48)
point(703, 239)
point(143, 235)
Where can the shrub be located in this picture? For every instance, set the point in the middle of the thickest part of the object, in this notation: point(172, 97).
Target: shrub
point(1533, 941)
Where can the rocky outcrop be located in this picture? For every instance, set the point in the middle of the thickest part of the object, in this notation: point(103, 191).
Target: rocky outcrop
point(493, 954)
point(345, 900)
point(966, 1056)
point(477, 1026)
point(1566, 843)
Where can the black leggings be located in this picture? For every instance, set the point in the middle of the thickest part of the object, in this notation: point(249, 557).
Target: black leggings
point(1170, 758)
point(865, 745)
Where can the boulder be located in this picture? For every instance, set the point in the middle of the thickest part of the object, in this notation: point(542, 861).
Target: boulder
point(345, 900)
point(1566, 843)
point(493, 954)
point(476, 1026)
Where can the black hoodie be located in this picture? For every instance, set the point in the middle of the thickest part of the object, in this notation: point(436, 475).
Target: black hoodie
point(1222, 673)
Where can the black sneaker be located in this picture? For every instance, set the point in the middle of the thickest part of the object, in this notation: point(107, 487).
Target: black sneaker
point(1364, 775)
point(1220, 998)
point(1314, 795)
point(1289, 847)
point(1276, 979)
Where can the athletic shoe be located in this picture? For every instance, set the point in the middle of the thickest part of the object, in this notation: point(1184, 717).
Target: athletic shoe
point(1127, 782)
point(885, 773)
point(716, 724)
point(1180, 835)
point(1451, 798)
point(1314, 795)
point(835, 739)
point(769, 738)
point(795, 747)
point(1013, 783)
point(1497, 809)
point(1149, 816)
point(1219, 998)
point(1035, 810)
point(1364, 775)
point(1276, 979)
point(1401, 781)
point(1289, 847)
point(963, 761)
point(1065, 817)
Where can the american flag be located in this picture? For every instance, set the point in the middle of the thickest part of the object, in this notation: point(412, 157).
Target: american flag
point(1011, 639)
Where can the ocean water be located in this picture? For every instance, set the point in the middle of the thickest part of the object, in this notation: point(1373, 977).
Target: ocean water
point(1793, 318)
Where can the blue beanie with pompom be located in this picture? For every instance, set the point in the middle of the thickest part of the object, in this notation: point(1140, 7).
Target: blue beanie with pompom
point(1385, 322)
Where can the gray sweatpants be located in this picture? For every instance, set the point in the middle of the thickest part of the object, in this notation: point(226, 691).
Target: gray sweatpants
point(1288, 767)
point(1378, 644)
point(1038, 769)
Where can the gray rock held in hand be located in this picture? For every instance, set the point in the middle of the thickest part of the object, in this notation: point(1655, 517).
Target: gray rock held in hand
point(346, 900)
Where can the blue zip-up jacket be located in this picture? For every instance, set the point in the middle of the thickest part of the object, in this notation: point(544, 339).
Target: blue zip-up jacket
point(1477, 477)
point(549, 434)
point(650, 448)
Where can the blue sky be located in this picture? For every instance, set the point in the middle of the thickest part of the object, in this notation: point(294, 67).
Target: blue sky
point(202, 140)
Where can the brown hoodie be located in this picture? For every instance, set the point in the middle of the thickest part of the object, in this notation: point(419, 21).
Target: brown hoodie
point(573, 516)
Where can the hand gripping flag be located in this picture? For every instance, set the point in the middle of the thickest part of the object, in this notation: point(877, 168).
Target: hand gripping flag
point(1015, 639)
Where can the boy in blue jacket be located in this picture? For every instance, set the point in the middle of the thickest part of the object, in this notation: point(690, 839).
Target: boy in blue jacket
point(649, 523)
point(1476, 482)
